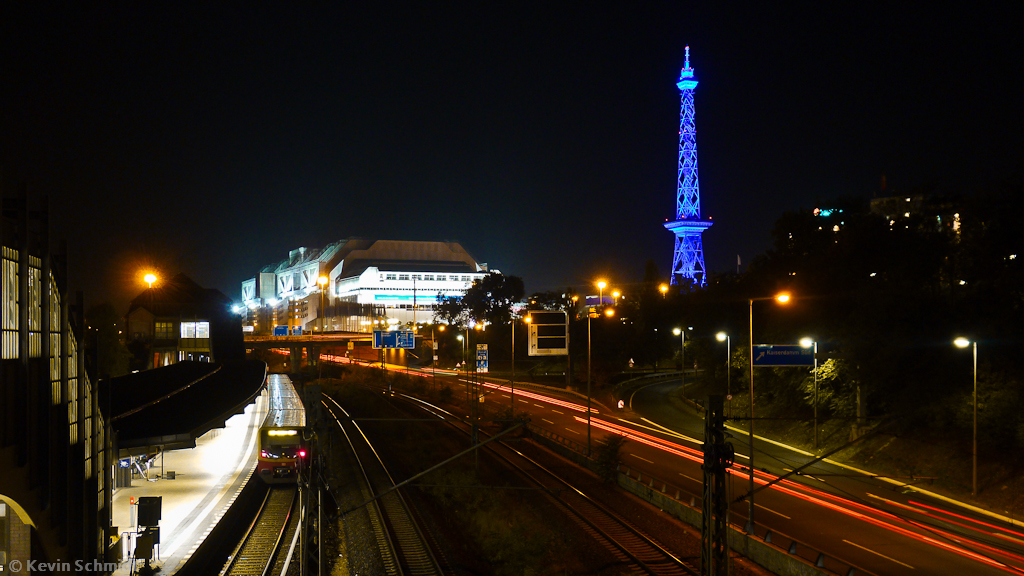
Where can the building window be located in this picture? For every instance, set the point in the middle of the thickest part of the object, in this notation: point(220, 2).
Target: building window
point(163, 331)
point(428, 276)
point(403, 276)
point(392, 277)
point(417, 277)
point(195, 329)
point(465, 278)
point(441, 278)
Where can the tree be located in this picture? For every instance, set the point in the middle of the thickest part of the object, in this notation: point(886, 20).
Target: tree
point(489, 299)
point(450, 310)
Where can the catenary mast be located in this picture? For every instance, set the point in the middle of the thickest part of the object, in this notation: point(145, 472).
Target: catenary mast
point(688, 261)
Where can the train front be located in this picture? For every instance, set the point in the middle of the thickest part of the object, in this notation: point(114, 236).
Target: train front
point(282, 451)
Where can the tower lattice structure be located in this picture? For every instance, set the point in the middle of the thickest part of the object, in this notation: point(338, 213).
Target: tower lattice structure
point(688, 259)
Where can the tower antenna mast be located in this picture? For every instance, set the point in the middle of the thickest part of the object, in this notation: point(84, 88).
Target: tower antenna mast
point(688, 259)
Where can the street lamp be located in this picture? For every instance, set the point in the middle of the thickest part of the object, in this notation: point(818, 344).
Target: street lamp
point(682, 361)
point(782, 298)
point(149, 279)
point(723, 337)
point(322, 281)
point(608, 312)
point(807, 343)
point(615, 297)
point(664, 290)
point(964, 343)
point(600, 291)
point(527, 319)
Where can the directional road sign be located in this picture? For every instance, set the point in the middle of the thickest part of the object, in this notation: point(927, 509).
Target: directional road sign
point(405, 339)
point(481, 357)
point(549, 333)
point(782, 355)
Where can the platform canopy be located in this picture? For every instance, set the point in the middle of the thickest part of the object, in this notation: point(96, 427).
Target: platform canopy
point(171, 406)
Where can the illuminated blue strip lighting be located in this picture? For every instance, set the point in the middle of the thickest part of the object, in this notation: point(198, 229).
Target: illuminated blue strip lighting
point(688, 261)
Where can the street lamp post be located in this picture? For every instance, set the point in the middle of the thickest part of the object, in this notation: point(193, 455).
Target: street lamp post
point(781, 298)
point(589, 316)
point(608, 312)
point(322, 281)
point(807, 343)
point(681, 332)
point(600, 292)
point(722, 336)
point(963, 343)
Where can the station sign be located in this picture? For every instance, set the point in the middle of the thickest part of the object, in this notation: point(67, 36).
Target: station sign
point(481, 357)
point(549, 333)
point(404, 339)
point(782, 355)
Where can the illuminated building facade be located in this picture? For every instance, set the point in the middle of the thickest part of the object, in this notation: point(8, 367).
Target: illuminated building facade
point(54, 464)
point(688, 258)
point(366, 280)
point(178, 320)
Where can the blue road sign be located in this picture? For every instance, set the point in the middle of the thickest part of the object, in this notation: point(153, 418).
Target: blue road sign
point(481, 357)
point(781, 355)
point(405, 339)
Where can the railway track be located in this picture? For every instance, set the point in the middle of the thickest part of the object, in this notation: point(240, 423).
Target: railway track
point(259, 548)
point(641, 553)
point(404, 547)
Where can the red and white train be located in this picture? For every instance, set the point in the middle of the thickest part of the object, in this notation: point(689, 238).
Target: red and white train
point(282, 445)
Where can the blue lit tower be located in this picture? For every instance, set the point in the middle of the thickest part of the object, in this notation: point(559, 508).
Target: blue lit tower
point(688, 262)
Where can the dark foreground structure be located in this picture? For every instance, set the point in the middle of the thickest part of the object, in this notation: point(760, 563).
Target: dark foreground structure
point(54, 485)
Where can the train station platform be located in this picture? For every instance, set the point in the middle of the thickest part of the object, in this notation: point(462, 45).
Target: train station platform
point(196, 485)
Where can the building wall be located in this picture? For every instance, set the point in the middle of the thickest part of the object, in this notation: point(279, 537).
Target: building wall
point(52, 445)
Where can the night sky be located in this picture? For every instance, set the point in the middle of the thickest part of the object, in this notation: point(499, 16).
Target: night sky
point(212, 138)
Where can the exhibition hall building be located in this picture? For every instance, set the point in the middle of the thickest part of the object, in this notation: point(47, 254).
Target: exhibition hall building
point(350, 284)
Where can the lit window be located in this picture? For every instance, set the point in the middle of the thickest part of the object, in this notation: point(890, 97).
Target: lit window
point(465, 278)
point(441, 278)
point(164, 330)
point(195, 329)
point(392, 277)
point(403, 276)
point(428, 276)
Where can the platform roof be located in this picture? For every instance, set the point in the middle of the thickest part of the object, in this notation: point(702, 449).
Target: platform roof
point(173, 405)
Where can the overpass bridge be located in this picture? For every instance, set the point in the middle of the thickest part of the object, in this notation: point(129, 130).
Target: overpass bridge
point(311, 345)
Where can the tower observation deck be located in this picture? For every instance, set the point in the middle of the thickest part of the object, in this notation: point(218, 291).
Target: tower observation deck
point(688, 259)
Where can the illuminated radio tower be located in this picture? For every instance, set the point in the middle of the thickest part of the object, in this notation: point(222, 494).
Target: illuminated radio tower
point(688, 262)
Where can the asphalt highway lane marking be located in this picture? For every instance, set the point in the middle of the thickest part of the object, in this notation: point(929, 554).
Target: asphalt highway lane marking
point(1008, 537)
point(665, 430)
point(556, 411)
point(540, 406)
point(690, 478)
point(879, 554)
point(548, 421)
point(804, 475)
point(644, 459)
point(772, 511)
point(571, 430)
